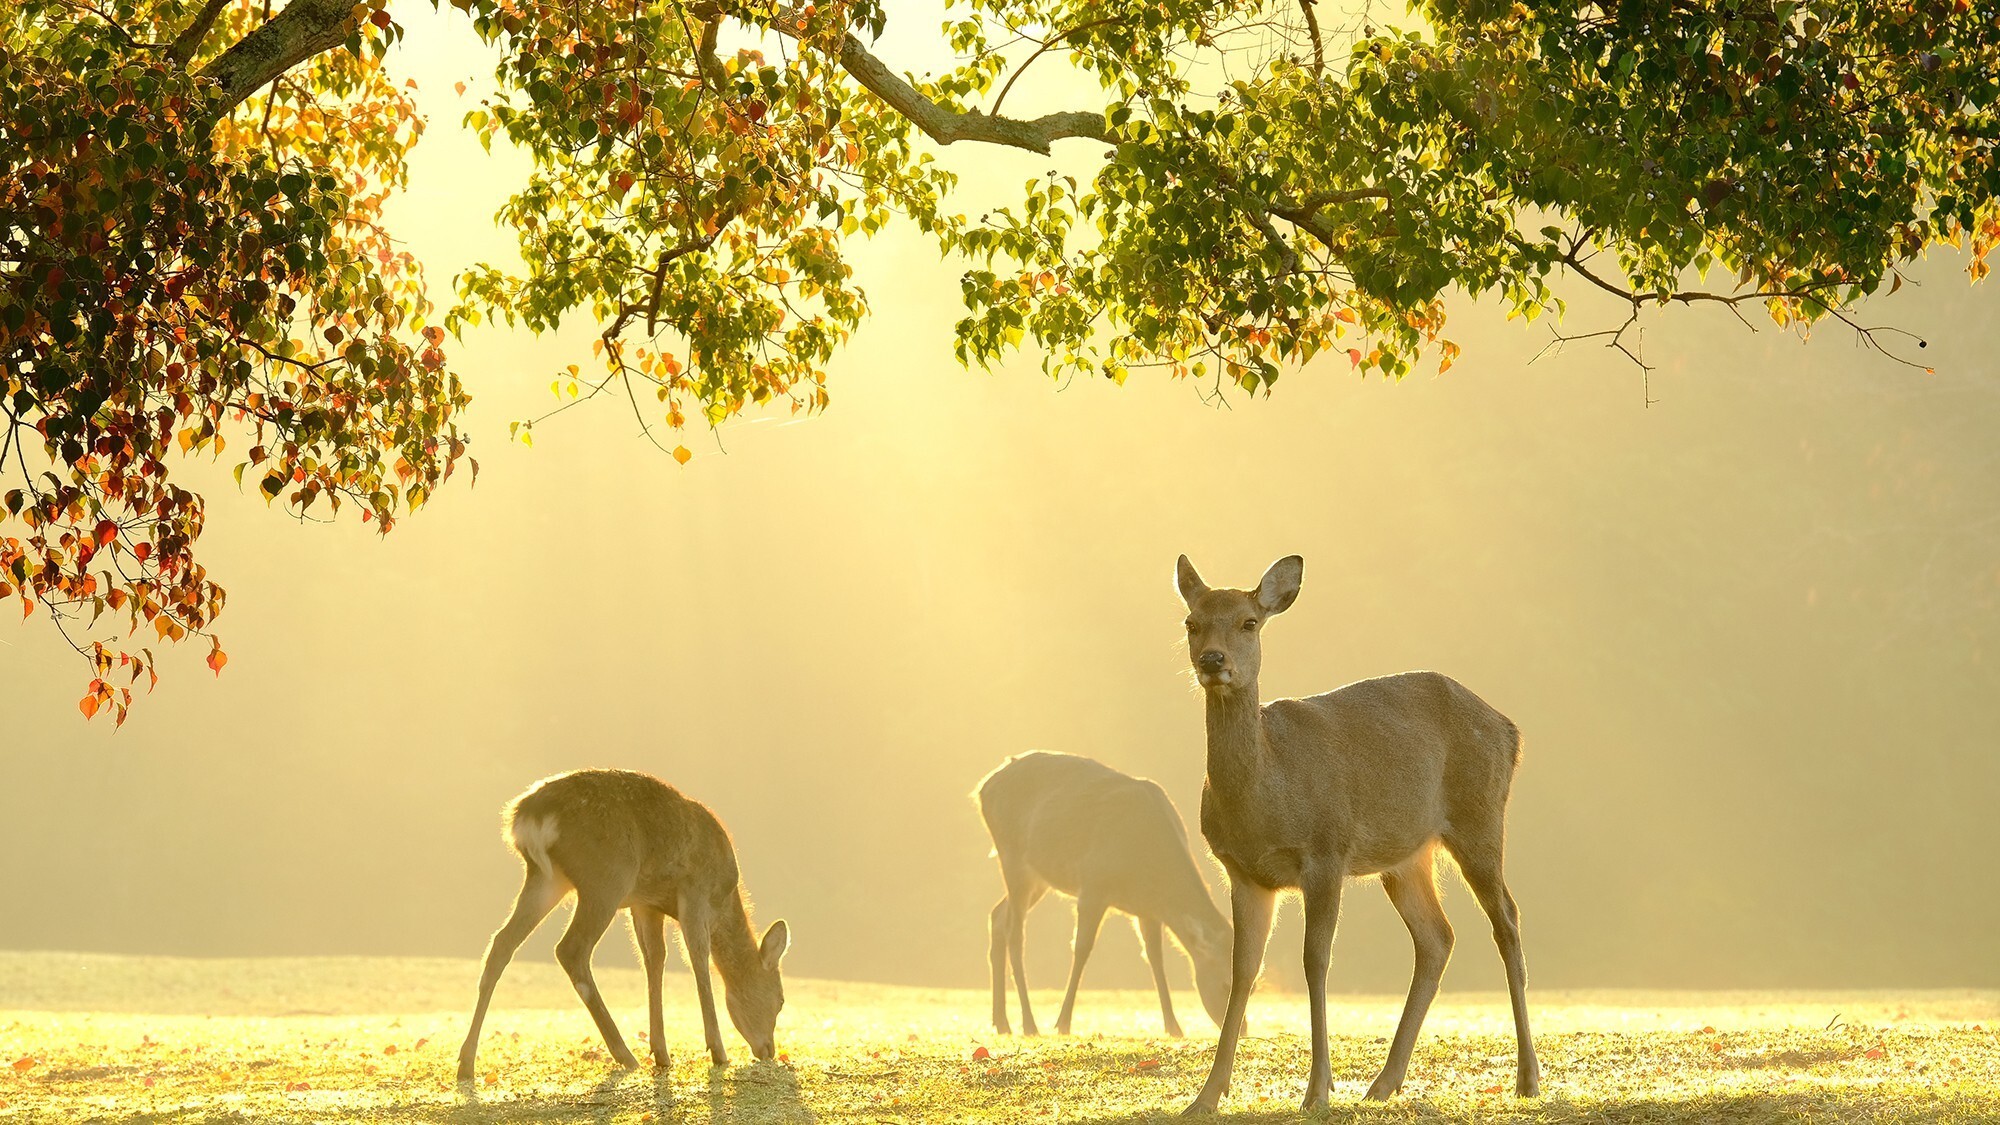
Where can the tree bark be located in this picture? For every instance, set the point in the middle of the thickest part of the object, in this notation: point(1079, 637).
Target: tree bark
point(304, 29)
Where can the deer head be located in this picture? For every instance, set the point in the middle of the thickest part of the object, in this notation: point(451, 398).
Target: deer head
point(756, 996)
point(1225, 627)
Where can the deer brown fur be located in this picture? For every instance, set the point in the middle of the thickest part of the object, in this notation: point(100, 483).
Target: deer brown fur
point(1367, 779)
point(1113, 842)
point(624, 840)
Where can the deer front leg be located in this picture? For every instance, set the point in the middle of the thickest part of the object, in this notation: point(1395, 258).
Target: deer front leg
point(1322, 896)
point(1089, 917)
point(1250, 908)
point(694, 939)
point(1156, 956)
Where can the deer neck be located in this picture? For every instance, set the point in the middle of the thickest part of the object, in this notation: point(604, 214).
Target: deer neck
point(1237, 747)
point(732, 943)
point(1197, 923)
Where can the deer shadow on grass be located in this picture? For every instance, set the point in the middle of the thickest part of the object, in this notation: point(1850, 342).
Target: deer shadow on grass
point(1733, 1108)
point(757, 1093)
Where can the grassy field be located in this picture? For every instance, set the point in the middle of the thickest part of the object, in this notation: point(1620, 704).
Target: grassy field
point(130, 1039)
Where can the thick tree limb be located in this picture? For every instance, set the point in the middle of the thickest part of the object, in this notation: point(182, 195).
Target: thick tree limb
point(188, 42)
point(304, 29)
point(946, 126)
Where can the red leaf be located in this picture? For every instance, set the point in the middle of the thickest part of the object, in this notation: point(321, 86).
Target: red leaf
point(24, 1063)
point(297, 1087)
point(1490, 1090)
point(1872, 1052)
point(1146, 1064)
point(1708, 1031)
point(216, 659)
point(106, 532)
point(1715, 1048)
point(981, 1053)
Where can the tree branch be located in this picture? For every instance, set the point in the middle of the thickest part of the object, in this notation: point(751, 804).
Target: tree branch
point(304, 29)
point(946, 126)
point(182, 50)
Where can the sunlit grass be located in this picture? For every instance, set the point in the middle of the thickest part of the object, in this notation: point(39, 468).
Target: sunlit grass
point(375, 1040)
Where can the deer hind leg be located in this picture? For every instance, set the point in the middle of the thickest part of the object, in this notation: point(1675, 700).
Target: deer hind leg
point(1412, 889)
point(1250, 907)
point(649, 929)
point(540, 892)
point(595, 908)
point(1479, 863)
point(1024, 890)
point(998, 928)
point(1156, 956)
point(1089, 918)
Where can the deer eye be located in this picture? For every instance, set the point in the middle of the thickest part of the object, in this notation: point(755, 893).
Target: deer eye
point(1249, 623)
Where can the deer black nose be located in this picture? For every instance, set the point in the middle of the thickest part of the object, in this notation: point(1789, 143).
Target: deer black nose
point(1211, 661)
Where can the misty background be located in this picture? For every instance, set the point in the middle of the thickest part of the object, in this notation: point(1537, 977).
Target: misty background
point(1748, 629)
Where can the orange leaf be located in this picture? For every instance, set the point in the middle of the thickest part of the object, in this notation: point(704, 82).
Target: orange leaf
point(682, 453)
point(24, 1063)
point(981, 1053)
point(1490, 1090)
point(216, 660)
point(1715, 1048)
point(1872, 1052)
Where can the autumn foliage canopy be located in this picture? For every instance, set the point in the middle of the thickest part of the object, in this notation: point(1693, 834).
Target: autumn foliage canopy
point(193, 260)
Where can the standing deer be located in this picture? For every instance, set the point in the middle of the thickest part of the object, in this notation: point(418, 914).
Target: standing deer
point(1367, 779)
point(624, 840)
point(1112, 841)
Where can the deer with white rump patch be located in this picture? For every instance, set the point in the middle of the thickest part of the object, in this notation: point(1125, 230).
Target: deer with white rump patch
point(1367, 779)
point(1114, 842)
point(624, 840)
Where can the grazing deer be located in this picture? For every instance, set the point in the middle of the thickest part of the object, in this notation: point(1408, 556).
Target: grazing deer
point(1367, 779)
point(1114, 842)
point(624, 840)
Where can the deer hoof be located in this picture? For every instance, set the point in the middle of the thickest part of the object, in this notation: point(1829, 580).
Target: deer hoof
point(1530, 1086)
point(1174, 1031)
point(1381, 1090)
point(1204, 1106)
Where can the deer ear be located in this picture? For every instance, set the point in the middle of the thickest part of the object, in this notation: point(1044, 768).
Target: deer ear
point(1188, 582)
point(1279, 587)
point(777, 939)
